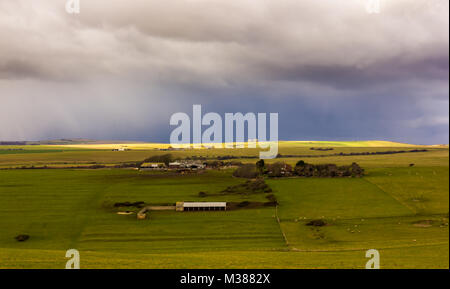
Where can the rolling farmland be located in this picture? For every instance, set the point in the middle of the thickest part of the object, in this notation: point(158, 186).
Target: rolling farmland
point(397, 208)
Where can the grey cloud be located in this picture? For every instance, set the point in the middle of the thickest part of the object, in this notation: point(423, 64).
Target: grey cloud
point(434, 67)
point(125, 66)
point(228, 39)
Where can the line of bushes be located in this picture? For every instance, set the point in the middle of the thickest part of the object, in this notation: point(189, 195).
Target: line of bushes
point(230, 157)
point(249, 187)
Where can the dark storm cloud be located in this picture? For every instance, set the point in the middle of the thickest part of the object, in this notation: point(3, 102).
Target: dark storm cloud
point(18, 69)
point(120, 69)
point(435, 67)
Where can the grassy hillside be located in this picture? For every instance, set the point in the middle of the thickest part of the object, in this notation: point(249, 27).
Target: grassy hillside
point(399, 209)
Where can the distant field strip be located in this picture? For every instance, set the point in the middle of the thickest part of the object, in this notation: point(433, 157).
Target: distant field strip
point(282, 143)
point(11, 152)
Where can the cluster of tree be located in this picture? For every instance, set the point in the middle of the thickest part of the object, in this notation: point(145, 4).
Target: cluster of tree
point(249, 187)
point(130, 204)
point(327, 170)
point(44, 167)
point(248, 171)
point(12, 149)
point(321, 149)
point(302, 169)
point(128, 165)
point(251, 171)
point(10, 143)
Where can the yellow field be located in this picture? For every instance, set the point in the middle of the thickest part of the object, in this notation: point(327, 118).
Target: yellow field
point(147, 146)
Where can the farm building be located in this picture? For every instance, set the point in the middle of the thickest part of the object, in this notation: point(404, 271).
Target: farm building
point(201, 206)
point(153, 166)
point(191, 165)
point(175, 165)
point(194, 165)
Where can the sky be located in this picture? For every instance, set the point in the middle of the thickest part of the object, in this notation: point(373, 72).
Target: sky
point(119, 69)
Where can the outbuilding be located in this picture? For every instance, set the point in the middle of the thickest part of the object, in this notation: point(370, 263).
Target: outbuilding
point(175, 165)
point(153, 166)
point(201, 206)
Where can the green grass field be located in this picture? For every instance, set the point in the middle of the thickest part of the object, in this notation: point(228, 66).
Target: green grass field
point(401, 211)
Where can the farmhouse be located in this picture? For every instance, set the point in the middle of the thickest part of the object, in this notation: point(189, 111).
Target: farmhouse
point(201, 206)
